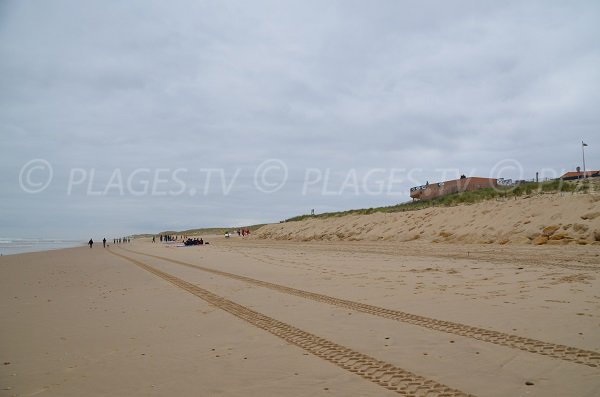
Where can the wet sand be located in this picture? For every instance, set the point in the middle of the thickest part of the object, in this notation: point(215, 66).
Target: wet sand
point(88, 322)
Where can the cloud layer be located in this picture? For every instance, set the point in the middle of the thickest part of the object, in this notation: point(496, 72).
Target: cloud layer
point(419, 92)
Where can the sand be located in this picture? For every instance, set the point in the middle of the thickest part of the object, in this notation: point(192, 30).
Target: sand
point(540, 219)
point(88, 322)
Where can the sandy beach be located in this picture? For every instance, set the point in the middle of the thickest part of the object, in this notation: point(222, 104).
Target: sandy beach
point(248, 317)
point(399, 198)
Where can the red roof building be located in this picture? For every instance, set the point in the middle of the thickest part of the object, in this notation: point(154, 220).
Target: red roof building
point(572, 175)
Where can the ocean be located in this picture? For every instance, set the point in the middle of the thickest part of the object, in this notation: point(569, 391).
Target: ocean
point(11, 246)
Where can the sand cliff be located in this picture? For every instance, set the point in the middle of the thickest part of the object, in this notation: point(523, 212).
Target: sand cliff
point(538, 219)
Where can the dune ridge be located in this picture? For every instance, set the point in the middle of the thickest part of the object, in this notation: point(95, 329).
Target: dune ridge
point(540, 219)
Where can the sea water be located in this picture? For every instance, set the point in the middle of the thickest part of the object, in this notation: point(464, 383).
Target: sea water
point(10, 246)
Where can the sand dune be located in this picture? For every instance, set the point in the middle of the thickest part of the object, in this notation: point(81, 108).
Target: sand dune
point(538, 219)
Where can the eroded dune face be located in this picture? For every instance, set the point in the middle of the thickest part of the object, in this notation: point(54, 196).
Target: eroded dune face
point(539, 219)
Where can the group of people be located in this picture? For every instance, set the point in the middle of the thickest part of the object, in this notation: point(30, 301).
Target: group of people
point(166, 238)
point(240, 232)
point(115, 241)
point(194, 241)
point(185, 239)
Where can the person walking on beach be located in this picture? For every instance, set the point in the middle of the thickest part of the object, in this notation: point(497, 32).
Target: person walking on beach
point(91, 242)
point(104, 242)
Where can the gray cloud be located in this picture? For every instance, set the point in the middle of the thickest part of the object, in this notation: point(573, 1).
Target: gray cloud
point(431, 86)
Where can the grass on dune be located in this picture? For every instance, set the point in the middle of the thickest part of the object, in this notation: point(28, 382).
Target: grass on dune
point(501, 193)
point(554, 186)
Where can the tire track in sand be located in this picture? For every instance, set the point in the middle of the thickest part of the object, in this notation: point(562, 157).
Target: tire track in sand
point(561, 352)
point(384, 374)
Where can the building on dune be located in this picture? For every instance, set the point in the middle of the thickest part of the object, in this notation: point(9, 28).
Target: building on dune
point(573, 175)
point(434, 190)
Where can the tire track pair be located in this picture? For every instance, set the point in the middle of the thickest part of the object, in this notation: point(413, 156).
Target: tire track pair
point(485, 255)
point(384, 374)
point(562, 352)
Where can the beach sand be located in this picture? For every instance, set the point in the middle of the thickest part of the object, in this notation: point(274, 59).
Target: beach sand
point(88, 322)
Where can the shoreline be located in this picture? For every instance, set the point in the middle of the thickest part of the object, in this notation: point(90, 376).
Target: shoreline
point(28, 246)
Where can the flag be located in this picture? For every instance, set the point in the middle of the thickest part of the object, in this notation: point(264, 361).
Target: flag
point(583, 143)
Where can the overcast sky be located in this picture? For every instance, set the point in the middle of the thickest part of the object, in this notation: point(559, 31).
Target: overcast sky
point(142, 116)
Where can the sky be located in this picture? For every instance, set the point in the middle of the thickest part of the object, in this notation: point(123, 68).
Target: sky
point(142, 116)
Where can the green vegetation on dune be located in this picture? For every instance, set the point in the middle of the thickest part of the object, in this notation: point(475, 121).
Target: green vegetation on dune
point(554, 186)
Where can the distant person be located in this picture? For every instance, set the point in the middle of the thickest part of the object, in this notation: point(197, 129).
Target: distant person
point(91, 242)
point(153, 239)
point(104, 242)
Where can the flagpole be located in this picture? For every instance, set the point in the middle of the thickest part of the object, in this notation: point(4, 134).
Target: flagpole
point(583, 156)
